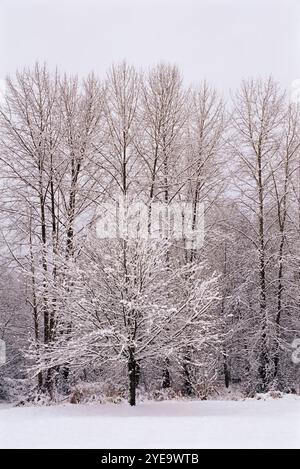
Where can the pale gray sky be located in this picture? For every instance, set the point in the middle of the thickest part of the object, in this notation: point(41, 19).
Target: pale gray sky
point(220, 40)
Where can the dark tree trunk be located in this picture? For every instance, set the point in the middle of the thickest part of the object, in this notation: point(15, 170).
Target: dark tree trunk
point(279, 306)
point(226, 369)
point(166, 379)
point(63, 373)
point(264, 356)
point(187, 385)
point(132, 375)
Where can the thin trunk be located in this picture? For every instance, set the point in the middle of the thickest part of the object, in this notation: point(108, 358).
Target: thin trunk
point(226, 369)
point(187, 385)
point(279, 307)
point(264, 357)
point(166, 378)
point(34, 303)
point(132, 370)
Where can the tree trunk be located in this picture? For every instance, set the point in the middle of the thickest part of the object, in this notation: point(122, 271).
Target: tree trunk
point(279, 307)
point(166, 379)
point(226, 369)
point(187, 385)
point(264, 356)
point(132, 375)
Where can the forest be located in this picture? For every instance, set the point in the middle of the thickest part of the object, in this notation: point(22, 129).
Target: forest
point(92, 310)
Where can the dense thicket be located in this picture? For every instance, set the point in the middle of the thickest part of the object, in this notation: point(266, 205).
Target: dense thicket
point(146, 306)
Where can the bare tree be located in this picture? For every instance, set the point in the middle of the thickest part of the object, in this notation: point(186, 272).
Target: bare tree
point(257, 120)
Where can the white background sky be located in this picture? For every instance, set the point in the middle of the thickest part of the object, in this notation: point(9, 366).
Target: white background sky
point(220, 40)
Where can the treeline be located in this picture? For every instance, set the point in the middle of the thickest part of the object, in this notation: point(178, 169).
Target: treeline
point(163, 312)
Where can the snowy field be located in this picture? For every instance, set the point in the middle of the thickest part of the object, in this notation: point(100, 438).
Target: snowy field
point(170, 424)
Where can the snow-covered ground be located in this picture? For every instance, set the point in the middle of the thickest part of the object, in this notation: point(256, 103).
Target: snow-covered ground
point(271, 423)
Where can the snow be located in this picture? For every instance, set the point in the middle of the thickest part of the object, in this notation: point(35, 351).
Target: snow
point(271, 423)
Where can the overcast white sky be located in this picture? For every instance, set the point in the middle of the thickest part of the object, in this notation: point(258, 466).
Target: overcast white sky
point(220, 40)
